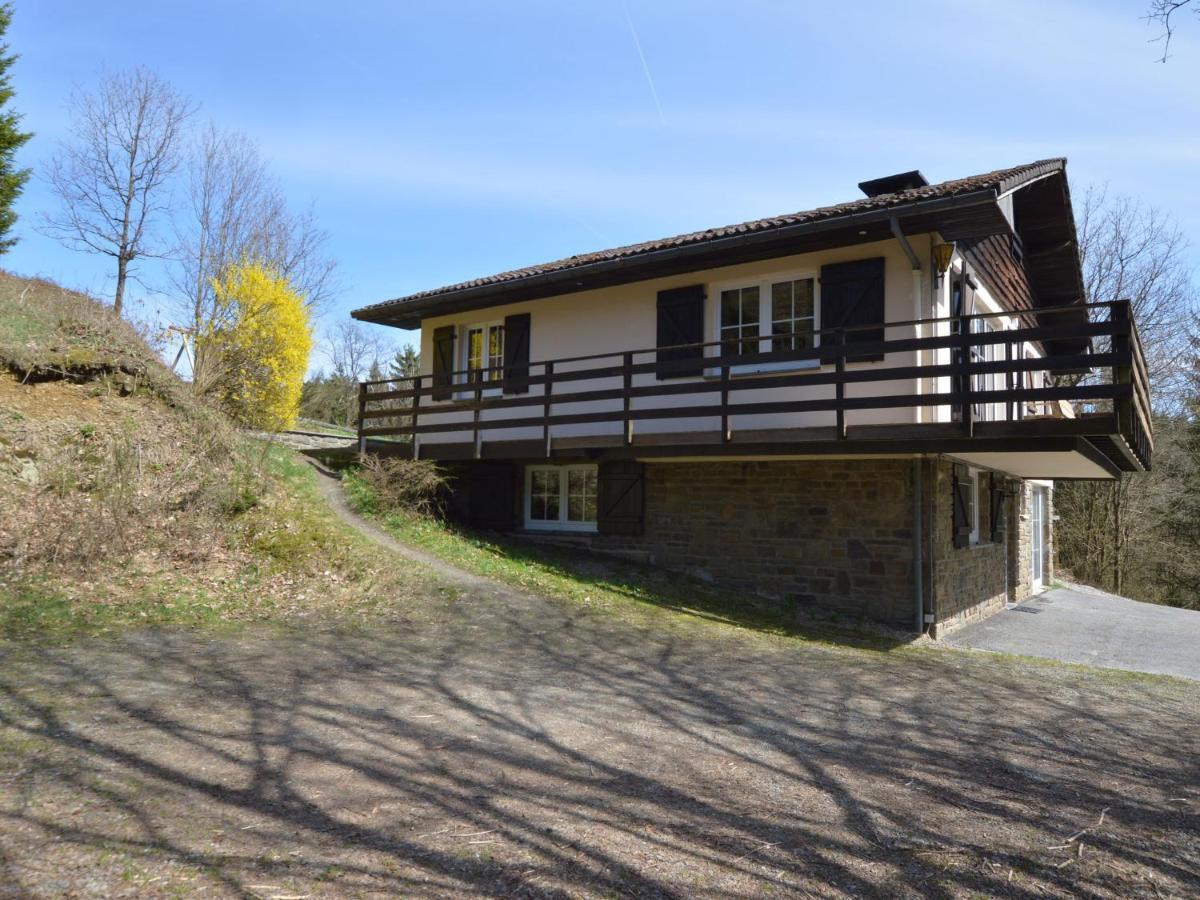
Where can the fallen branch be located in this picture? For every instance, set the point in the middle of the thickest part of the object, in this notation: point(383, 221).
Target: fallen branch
point(1077, 835)
point(763, 845)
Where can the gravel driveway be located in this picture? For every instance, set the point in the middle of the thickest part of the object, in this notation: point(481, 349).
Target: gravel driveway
point(1083, 625)
point(523, 747)
point(526, 748)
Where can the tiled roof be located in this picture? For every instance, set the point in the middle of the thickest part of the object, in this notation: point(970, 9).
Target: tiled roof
point(1000, 181)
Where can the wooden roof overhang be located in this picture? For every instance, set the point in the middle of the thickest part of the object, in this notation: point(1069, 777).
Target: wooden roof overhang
point(962, 217)
point(1045, 224)
point(1035, 199)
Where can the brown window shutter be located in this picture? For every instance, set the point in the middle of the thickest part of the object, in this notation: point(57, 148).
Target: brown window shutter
point(516, 354)
point(961, 488)
point(998, 512)
point(852, 294)
point(621, 498)
point(680, 321)
point(443, 361)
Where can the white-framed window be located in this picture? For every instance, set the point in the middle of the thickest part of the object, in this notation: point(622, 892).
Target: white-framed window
point(483, 352)
point(774, 313)
point(983, 381)
point(793, 314)
point(741, 311)
point(973, 503)
point(561, 498)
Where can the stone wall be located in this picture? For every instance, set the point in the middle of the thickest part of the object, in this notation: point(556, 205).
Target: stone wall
point(1020, 550)
point(823, 536)
point(972, 582)
point(820, 536)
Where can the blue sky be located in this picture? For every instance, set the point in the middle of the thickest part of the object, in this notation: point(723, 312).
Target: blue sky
point(445, 140)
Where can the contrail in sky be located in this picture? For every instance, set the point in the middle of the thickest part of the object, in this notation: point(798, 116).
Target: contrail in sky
point(645, 67)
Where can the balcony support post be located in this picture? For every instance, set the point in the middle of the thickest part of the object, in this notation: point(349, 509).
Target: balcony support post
point(1009, 374)
point(476, 414)
point(546, 404)
point(627, 400)
point(1122, 373)
point(726, 433)
point(416, 404)
point(964, 378)
point(840, 385)
point(362, 409)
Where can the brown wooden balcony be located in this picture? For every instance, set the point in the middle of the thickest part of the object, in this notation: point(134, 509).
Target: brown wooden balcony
point(939, 386)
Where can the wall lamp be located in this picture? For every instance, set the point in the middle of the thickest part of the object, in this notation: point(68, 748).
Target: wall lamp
point(942, 254)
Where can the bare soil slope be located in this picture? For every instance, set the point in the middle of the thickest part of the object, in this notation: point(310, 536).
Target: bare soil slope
point(125, 500)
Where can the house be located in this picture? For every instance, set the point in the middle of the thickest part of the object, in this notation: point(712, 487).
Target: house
point(858, 409)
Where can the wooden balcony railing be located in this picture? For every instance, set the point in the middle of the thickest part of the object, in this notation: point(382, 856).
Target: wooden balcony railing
point(981, 376)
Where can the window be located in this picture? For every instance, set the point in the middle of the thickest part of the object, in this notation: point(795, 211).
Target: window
point(739, 321)
point(983, 381)
point(776, 315)
point(561, 498)
point(792, 319)
point(973, 504)
point(987, 381)
point(483, 352)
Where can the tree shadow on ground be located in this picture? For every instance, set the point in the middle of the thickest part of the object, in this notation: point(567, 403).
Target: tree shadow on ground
point(679, 592)
point(539, 751)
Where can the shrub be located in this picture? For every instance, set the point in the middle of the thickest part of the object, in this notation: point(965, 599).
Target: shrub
point(254, 355)
point(396, 484)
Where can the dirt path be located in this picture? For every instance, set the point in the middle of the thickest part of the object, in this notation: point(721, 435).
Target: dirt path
point(331, 490)
point(520, 747)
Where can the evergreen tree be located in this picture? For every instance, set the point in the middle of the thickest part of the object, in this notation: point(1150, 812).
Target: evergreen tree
point(12, 179)
point(406, 363)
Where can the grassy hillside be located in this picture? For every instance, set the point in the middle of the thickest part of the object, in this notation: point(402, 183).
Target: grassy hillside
point(125, 500)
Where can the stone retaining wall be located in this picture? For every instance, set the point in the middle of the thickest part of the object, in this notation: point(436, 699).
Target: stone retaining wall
point(817, 536)
point(826, 536)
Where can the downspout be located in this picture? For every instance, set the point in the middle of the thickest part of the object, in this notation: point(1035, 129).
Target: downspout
point(918, 574)
point(931, 545)
point(904, 244)
point(917, 479)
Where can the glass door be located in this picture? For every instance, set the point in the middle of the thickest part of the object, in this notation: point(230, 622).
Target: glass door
point(1038, 537)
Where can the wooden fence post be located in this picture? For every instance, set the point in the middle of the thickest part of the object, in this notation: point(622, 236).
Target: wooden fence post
point(627, 404)
point(726, 433)
point(416, 405)
point(476, 414)
point(840, 385)
point(1122, 372)
point(362, 408)
point(964, 368)
point(546, 404)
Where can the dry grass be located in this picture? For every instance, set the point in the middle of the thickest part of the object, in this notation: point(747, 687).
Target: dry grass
point(395, 484)
point(95, 474)
point(48, 332)
point(124, 500)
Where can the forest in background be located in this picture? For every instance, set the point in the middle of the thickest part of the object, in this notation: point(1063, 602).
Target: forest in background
point(1140, 535)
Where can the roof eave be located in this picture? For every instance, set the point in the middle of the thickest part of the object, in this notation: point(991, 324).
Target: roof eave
point(404, 313)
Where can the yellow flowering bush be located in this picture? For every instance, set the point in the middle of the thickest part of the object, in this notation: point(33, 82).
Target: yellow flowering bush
point(262, 339)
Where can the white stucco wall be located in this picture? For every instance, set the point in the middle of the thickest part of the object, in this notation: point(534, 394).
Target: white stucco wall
point(614, 320)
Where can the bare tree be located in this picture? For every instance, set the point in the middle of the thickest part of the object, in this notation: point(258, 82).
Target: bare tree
point(1136, 252)
point(354, 352)
point(1164, 13)
point(1109, 532)
point(233, 211)
point(296, 246)
point(113, 177)
point(354, 349)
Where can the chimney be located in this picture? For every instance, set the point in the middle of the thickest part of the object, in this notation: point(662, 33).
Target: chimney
point(890, 184)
